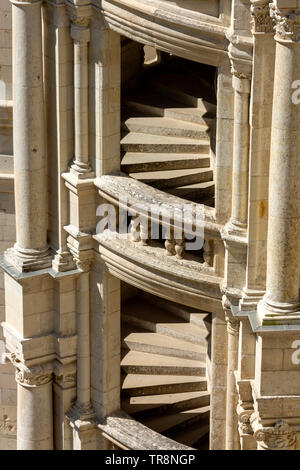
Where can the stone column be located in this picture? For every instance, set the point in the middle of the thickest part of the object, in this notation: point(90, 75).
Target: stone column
point(80, 33)
point(239, 211)
point(232, 435)
point(35, 414)
point(82, 416)
point(30, 251)
point(283, 244)
point(240, 55)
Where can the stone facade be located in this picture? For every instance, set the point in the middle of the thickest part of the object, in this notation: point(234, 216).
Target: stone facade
point(121, 105)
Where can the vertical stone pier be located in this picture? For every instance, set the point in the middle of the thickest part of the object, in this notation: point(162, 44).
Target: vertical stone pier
point(281, 301)
point(30, 251)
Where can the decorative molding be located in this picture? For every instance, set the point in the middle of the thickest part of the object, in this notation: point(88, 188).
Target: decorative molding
point(233, 323)
point(281, 436)
point(240, 52)
point(261, 19)
point(34, 376)
point(287, 24)
point(244, 417)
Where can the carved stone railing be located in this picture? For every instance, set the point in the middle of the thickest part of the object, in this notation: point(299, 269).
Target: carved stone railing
point(124, 433)
point(197, 33)
point(178, 219)
point(149, 264)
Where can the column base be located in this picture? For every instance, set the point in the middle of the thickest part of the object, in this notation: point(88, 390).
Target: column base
point(236, 228)
point(63, 261)
point(277, 313)
point(250, 300)
point(82, 170)
point(25, 260)
point(82, 419)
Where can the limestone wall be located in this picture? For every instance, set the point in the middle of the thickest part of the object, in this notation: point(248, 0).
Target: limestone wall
point(6, 145)
point(8, 390)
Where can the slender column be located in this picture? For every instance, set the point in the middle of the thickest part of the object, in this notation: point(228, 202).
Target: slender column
point(232, 435)
point(30, 251)
point(35, 414)
point(83, 332)
point(81, 36)
point(283, 245)
point(239, 211)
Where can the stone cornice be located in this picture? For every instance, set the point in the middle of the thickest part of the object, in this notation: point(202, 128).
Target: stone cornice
point(287, 24)
point(261, 19)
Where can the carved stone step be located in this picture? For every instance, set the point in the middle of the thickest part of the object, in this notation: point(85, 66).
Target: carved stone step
point(192, 435)
point(193, 115)
point(134, 362)
point(138, 385)
point(144, 405)
point(161, 321)
point(166, 126)
point(138, 339)
point(173, 178)
point(177, 421)
point(144, 162)
point(138, 142)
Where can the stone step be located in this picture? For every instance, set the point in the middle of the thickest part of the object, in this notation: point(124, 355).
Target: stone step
point(144, 405)
point(141, 162)
point(192, 435)
point(135, 362)
point(196, 192)
point(158, 320)
point(176, 421)
point(192, 115)
point(148, 103)
point(185, 97)
point(174, 178)
point(138, 142)
point(139, 384)
point(138, 339)
point(166, 127)
point(188, 314)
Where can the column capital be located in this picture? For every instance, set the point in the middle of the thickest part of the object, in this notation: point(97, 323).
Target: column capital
point(233, 324)
point(261, 18)
point(287, 23)
point(80, 17)
point(240, 55)
point(80, 31)
point(281, 436)
point(33, 376)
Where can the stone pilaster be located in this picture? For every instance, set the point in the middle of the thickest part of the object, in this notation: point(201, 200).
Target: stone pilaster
point(260, 137)
point(281, 303)
point(31, 251)
point(232, 437)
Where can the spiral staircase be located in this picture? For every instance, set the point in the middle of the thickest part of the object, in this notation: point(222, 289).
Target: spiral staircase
point(168, 125)
point(164, 368)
